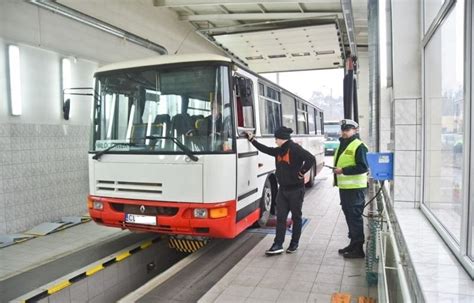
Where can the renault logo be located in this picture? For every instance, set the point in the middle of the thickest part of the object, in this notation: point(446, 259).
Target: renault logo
point(142, 209)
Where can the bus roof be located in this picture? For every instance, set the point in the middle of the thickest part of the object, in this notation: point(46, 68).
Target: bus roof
point(161, 60)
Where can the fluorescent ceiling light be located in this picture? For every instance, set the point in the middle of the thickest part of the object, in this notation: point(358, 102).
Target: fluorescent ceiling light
point(326, 52)
point(277, 56)
point(254, 58)
point(15, 79)
point(302, 54)
point(66, 73)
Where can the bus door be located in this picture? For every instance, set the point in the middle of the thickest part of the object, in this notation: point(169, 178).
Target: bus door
point(247, 155)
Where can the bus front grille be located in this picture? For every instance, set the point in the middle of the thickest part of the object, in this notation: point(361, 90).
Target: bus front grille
point(129, 187)
point(149, 210)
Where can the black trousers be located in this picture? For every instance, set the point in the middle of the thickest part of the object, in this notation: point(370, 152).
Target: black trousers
point(352, 203)
point(286, 201)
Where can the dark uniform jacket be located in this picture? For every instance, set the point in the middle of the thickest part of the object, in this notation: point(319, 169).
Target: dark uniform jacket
point(290, 159)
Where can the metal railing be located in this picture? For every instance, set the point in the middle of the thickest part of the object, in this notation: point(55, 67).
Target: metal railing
point(387, 262)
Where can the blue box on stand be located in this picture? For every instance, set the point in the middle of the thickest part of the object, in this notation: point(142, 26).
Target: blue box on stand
point(381, 166)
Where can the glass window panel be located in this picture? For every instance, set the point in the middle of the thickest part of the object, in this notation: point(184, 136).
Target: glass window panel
point(431, 9)
point(245, 102)
point(319, 126)
point(274, 122)
point(269, 116)
point(311, 121)
point(288, 108)
point(263, 116)
point(321, 118)
point(273, 94)
point(444, 116)
point(191, 104)
point(302, 118)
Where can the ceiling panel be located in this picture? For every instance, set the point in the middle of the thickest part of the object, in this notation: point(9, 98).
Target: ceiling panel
point(301, 30)
point(312, 47)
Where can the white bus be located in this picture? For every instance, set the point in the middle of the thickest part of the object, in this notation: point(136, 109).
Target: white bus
point(167, 153)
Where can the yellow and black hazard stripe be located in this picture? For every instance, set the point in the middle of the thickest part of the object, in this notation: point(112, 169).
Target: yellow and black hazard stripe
point(90, 271)
point(184, 245)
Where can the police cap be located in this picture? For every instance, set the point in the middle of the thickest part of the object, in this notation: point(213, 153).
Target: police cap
point(348, 124)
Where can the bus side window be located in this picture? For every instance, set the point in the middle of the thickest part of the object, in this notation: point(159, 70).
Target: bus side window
point(244, 102)
point(322, 122)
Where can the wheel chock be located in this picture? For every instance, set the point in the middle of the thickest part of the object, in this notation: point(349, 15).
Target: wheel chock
point(340, 298)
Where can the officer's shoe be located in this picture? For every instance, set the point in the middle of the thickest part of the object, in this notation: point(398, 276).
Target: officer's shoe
point(292, 248)
point(274, 250)
point(356, 253)
point(348, 248)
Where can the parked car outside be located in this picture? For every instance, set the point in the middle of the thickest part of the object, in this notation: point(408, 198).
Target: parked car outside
point(331, 145)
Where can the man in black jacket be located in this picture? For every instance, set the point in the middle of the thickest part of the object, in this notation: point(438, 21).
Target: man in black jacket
point(292, 162)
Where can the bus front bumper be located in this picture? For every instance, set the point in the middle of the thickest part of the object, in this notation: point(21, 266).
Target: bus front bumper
point(216, 220)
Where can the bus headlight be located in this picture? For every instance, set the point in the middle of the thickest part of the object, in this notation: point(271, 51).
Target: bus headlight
point(218, 212)
point(200, 213)
point(98, 205)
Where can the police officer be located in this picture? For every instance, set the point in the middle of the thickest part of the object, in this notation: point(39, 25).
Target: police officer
point(350, 175)
point(292, 161)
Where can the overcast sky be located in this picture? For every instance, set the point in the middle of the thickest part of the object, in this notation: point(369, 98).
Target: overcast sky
point(305, 82)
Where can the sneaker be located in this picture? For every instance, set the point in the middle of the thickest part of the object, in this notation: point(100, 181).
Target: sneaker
point(274, 250)
point(292, 248)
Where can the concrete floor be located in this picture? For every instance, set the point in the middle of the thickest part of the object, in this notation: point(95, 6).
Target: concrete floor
point(311, 274)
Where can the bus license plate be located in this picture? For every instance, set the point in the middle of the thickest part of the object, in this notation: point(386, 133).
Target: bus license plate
point(139, 219)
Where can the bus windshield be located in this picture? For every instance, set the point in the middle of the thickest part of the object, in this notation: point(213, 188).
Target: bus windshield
point(155, 109)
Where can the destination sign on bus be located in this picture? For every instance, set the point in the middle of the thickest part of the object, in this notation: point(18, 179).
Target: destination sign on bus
point(104, 144)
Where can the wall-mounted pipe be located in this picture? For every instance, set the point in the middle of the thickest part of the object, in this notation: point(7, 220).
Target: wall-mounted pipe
point(98, 24)
point(350, 25)
point(374, 75)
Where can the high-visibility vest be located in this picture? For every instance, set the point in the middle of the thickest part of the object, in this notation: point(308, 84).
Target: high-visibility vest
point(346, 159)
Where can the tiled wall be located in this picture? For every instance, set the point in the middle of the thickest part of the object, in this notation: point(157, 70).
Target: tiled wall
point(43, 174)
point(407, 168)
point(407, 105)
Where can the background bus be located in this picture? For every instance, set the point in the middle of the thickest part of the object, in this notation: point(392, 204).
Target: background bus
point(332, 129)
point(167, 153)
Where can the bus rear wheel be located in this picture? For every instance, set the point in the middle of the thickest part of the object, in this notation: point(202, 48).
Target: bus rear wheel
point(265, 204)
point(311, 178)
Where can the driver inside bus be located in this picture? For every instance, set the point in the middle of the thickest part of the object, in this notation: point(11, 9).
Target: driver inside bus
point(220, 124)
point(217, 124)
point(214, 120)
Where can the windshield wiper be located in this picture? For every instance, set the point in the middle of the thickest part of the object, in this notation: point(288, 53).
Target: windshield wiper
point(99, 154)
point(183, 147)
